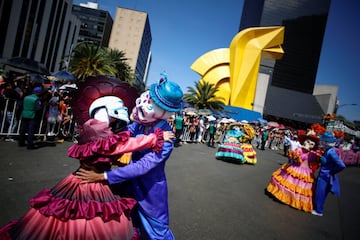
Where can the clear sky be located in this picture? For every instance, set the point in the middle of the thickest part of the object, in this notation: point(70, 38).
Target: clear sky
point(182, 31)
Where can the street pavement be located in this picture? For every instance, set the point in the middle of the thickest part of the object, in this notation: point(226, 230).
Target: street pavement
point(209, 199)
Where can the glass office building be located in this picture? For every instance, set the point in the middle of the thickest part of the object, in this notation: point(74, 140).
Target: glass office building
point(305, 23)
point(43, 30)
point(131, 33)
point(95, 26)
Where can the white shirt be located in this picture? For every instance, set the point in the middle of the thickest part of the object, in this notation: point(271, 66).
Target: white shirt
point(294, 144)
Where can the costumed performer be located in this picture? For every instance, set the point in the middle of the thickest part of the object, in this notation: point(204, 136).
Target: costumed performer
point(230, 149)
point(245, 140)
point(292, 183)
point(327, 180)
point(146, 171)
point(71, 210)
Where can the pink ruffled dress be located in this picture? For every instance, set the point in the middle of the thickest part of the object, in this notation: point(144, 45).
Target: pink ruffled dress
point(71, 210)
point(293, 182)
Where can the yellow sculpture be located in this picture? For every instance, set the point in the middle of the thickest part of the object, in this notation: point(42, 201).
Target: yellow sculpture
point(235, 70)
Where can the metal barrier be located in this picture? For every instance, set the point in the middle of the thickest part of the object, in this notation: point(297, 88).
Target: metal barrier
point(8, 119)
point(186, 137)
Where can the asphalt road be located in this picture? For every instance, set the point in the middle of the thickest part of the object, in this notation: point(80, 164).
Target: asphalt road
point(209, 199)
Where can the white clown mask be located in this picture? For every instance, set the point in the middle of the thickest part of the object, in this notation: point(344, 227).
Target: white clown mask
point(308, 144)
point(146, 111)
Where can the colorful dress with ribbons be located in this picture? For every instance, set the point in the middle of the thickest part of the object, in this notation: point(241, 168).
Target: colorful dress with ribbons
point(293, 182)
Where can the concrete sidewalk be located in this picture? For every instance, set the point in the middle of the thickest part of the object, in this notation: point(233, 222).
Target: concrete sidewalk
point(209, 199)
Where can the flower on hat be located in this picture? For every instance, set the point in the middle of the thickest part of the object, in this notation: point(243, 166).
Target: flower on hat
point(318, 128)
point(329, 116)
point(338, 134)
point(301, 132)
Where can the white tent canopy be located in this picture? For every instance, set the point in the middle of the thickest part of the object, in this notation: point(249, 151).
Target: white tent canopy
point(227, 120)
point(211, 118)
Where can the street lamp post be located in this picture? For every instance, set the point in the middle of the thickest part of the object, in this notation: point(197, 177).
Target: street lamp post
point(343, 105)
point(67, 62)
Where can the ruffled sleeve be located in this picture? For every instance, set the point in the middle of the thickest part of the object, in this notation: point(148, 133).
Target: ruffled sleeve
point(160, 140)
point(83, 151)
point(154, 141)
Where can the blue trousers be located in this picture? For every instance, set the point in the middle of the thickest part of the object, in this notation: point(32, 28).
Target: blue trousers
point(27, 126)
point(151, 227)
point(321, 192)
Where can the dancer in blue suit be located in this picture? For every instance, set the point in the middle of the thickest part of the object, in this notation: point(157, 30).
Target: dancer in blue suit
point(146, 170)
point(331, 165)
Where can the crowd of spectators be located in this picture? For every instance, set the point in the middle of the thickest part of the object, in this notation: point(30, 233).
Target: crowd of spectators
point(197, 129)
point(53, 119)
point(205, 129)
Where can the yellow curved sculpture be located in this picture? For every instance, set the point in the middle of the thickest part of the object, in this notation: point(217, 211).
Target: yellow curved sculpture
point(213, 66)
point(235, 70)
point(220, 76)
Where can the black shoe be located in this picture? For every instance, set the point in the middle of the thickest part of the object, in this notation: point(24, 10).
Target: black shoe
point(32, 147)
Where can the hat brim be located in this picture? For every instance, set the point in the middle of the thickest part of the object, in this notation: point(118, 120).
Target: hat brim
point(327, 139)
point(303, 137)
point(157, 101)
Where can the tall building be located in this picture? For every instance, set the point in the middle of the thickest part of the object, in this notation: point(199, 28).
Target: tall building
point(96, 24)
point(43, 30)
point(305, 23)
point(131, 34)
point(293, 77)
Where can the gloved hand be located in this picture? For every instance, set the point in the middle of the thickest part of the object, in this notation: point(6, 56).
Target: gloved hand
point(323, 160)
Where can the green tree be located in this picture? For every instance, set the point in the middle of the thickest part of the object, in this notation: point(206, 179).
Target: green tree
point(91, 60)
point(88, 59)
point(203, 96)
point(119, 62)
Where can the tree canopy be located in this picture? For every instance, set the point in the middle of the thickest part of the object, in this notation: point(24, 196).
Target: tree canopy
point(89, 59)
point(203, 96)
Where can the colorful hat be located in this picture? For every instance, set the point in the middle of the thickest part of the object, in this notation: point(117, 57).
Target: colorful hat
point(37, 90)
point(167, 95)
point(249, 131)
point(328, 137)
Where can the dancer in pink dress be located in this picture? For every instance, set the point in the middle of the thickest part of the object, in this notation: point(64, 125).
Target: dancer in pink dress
point(71, 210)
point(292, 184)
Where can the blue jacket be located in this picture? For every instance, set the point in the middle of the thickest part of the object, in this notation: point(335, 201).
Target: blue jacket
point(328, 170)
point(147, 174)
